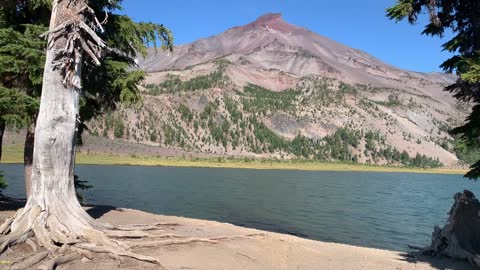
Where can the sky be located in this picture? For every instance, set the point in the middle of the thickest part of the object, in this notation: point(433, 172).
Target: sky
point(358, 24)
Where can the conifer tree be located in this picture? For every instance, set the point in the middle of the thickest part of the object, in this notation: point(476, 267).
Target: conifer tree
point(22, 54)
point(462, 18)
point(460, 237)
point(22, 58)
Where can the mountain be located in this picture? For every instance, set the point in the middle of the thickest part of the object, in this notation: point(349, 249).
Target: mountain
point(271, 43)
point(275, 90)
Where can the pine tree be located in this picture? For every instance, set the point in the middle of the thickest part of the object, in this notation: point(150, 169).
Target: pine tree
point(16, 109)
point(460, 237)
point(22, 58)
point(463, 19)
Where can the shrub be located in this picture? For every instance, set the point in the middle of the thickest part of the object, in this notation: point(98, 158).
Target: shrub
point(119, 129)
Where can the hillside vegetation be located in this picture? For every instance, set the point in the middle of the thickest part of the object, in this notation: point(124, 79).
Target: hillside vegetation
point(208, 114)
point(273, 90)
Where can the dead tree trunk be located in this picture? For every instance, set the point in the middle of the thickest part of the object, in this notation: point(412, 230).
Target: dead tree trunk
point(52, 216)
point(52, 203)
point(460, 237)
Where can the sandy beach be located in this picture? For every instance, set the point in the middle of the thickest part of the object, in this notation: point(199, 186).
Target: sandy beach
point(231, 247)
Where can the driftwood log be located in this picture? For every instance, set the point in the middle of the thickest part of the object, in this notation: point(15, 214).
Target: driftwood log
point(460, 237)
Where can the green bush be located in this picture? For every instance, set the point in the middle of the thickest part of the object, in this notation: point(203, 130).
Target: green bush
point(185, 113)
point(260, 100)
point(119, 129)
point(174, 84)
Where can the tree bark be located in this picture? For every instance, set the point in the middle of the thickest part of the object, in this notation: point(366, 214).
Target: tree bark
point(28, 155)
point(53, 215)
point(460, 237)
point(52, 212)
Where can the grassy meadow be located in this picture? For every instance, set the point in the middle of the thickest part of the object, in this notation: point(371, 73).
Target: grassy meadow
point(14, 154)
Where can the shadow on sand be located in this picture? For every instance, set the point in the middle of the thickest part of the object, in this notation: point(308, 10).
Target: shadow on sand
point(9, 204)
point(441, 263)
point(96, 211)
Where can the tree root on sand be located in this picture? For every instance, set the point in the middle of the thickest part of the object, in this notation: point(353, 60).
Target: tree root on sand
point(185, 240)
point(460, 237)
point(53, 263)
point(30, 261)
point(68, 233)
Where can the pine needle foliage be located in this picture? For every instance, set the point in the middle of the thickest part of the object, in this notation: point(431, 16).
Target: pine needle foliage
point(105, 86)
point(115, 81)
point(462, 18)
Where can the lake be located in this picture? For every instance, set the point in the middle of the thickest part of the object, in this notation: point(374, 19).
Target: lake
point(381, 210)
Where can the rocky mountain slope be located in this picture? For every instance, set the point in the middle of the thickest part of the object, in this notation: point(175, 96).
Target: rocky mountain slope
point(274, 90)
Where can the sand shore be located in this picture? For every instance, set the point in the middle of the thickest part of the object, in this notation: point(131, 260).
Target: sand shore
point(242, 248)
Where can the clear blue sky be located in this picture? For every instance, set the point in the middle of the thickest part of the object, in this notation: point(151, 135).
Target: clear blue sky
point(356, 23)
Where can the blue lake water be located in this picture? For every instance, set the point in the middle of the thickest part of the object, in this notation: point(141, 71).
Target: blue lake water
point(381, 210)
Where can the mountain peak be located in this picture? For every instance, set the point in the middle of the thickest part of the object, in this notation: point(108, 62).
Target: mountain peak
point(272, 21)
point(269, 18)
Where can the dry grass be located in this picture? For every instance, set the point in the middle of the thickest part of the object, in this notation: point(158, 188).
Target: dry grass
point(14, 154)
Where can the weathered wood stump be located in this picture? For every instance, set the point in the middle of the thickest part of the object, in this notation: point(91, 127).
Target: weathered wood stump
point(460, 237)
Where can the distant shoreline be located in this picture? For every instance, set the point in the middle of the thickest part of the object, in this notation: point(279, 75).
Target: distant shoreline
point(235, 163)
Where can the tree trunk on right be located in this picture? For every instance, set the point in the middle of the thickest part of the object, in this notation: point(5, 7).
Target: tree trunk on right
point(460, 237)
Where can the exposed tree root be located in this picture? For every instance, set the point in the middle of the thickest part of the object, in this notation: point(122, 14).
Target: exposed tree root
point(5, 226)
point(145, 244)
point(121, 253)
point(145, 227)
point(32, 245)
point(30, 261)
point(66, 230)
point(187, 240)
point(53, 263)
point(235, 237)
point(460, 237)
point(68, 234)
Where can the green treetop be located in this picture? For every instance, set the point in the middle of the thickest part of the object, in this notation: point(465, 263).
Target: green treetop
point(462, 17)
point(22, 54)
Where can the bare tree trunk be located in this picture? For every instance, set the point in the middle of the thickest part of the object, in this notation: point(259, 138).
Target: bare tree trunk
point(460, 237)
point(52, 215)
point(52, 211)
point(52, 205)
point(28, 155)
